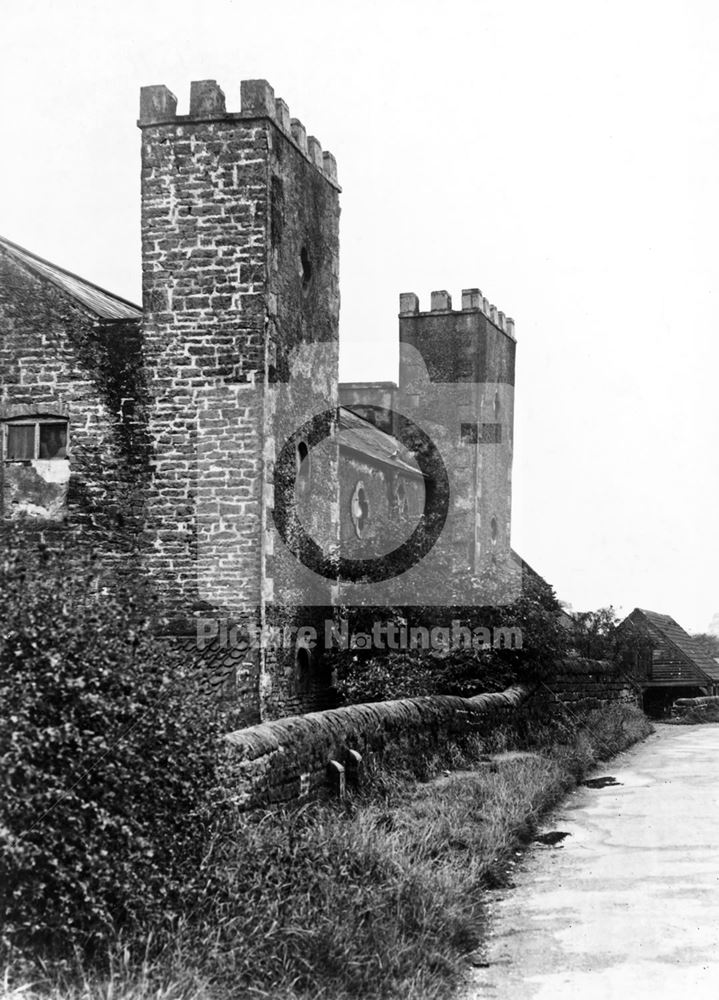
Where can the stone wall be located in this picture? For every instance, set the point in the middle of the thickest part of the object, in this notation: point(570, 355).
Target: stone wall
point(581, 685)
point(295, 758)
point(707, 705)
point(59, 360)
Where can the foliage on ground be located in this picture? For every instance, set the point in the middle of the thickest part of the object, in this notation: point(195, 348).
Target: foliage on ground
point(378, 899)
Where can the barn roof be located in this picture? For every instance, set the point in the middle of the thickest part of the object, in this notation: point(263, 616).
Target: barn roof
point(673, 633)
point(365, 438)
point(98, 300)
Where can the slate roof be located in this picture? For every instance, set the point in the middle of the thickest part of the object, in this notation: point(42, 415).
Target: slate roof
point(104, 304)
point(361, 436)
point(675, 635)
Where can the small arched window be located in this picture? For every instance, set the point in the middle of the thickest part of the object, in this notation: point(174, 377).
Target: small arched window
point(494, 529)
point(303, 667)
point(359, 509)
point(303, 466)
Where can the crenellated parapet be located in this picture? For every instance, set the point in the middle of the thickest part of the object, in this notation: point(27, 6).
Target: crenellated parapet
point(158, 106)
point(441, 303)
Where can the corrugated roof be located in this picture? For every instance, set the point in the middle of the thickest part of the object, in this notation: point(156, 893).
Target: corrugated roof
point(681, 640)
point(99, 301)
point(359, 435)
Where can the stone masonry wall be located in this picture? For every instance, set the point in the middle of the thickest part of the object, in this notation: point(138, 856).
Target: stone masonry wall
point(290, 759)
point(581, 685)
point(469, 355)
point(58, 359)
point(240, 269)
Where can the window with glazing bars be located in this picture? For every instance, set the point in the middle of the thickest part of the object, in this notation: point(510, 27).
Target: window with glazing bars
point(37, 437)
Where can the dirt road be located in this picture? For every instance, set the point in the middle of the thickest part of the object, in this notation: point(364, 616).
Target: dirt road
point(628, 906)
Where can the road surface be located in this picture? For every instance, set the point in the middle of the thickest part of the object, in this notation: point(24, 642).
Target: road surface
point(628, 906)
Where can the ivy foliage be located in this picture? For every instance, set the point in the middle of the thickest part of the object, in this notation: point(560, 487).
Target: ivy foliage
point(107, 757)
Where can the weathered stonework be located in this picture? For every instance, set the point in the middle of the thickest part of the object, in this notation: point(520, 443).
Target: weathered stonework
point(290, 759)
point(60, 359)
point(240, 272)
point(191, 440)
point(287, 760)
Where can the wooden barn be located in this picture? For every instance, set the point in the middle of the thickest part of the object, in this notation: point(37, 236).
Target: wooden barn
point(664, 660)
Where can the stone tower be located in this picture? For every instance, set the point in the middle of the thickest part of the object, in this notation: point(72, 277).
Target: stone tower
point(457, 369)
point(240, 252)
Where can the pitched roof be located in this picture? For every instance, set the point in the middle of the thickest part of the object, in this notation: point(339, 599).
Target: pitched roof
point(362, 436)
point(99, 301)
point(681, 640)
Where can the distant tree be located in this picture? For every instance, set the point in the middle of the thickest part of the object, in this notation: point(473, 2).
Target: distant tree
point(593, 633)
point(709, 643)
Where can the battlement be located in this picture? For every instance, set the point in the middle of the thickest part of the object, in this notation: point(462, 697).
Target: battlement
point(158, 106)
point(472, 301)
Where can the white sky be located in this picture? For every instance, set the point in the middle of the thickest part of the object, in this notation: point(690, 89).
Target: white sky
point(562, 156)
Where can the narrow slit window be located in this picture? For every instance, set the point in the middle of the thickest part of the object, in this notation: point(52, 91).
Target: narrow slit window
point(303, 466)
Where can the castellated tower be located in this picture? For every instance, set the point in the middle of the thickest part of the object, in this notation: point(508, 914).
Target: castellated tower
point(457, 365)
point(452, 414)
point(240, 251)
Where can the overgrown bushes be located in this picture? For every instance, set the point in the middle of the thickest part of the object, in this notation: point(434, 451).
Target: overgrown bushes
point(379, 899)
point(118, 851)
point(533, 618)
point(107, 759)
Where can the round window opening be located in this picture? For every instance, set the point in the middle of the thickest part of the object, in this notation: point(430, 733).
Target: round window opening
point(359, 509)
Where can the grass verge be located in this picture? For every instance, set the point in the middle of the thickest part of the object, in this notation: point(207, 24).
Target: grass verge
point(378, 899)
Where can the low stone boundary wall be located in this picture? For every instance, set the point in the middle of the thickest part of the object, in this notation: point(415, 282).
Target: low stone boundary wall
point(582, 685)
point(294, 758)
point(701, 705)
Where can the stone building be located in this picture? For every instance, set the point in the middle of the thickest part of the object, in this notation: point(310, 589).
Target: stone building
point(204, 438)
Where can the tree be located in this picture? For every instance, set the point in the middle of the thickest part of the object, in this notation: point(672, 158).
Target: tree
point(708, 643)
point(533, 618)
point(593, 633)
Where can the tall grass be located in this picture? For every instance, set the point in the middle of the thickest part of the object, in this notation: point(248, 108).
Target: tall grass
point(380, 898)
